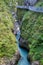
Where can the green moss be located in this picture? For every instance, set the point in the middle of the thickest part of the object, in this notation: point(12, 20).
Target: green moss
point(32, 30)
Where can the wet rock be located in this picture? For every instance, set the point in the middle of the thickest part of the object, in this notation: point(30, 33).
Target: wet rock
point(35, 63)
point(16, 28)
point(24, 43)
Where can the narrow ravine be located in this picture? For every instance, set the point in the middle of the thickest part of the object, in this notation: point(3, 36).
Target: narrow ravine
point(23, 52)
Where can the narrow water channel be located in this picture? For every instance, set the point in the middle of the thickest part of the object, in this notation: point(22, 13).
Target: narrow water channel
point(23, 52)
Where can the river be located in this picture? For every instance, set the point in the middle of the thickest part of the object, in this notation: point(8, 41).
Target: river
point(23, 52)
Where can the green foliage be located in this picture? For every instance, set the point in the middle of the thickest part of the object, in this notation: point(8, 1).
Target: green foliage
point(12, 4)
point(20, 12)
point(32, 30)
point(20, 2)
point(7, 39)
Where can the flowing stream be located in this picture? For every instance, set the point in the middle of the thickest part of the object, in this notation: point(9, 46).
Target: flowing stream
point(23, 52)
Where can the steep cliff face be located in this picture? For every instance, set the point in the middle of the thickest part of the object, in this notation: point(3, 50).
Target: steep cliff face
point(32, 30)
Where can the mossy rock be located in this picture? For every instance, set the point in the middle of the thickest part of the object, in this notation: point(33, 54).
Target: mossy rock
point(32, 30)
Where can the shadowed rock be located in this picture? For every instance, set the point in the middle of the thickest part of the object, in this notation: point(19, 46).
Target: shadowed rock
point(24, 44)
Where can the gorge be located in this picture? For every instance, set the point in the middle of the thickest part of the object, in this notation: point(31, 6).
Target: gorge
point(23, 52)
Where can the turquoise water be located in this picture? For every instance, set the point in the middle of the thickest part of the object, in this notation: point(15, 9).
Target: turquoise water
point(23, 60)
point(23, 52)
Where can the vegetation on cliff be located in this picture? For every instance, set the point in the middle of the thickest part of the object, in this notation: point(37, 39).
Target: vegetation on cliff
point(32, 30)
point(20, 12)
point(7, 39)
point(11, 4)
